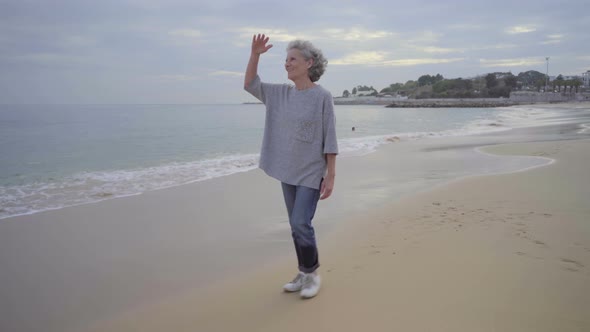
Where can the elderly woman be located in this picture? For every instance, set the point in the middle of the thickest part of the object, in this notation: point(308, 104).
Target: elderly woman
point(299, 147)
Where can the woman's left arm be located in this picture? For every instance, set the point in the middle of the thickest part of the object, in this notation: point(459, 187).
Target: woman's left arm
point(328, 183)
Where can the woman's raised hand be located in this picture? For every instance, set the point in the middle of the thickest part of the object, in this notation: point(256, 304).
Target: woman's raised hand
point(259, 44)
point(258, 47)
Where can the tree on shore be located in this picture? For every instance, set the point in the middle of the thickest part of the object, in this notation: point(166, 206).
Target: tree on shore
point(510, 81)
point(453, 88)
point(572, 84)
point(577, 83)
point(532, 78)
point(491, 81)
point(559, 82)
point(360, 90)
point(499, 91)
point(491, 85)
point(429, 80)
point(363, 90)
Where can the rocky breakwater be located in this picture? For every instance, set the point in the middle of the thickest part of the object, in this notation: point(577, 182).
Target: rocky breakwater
point(438, 103)
point(362, 101)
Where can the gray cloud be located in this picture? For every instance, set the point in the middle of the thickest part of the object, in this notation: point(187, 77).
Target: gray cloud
point(147, 51)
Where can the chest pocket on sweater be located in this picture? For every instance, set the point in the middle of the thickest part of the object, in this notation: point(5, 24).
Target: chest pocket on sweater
point(304, 130)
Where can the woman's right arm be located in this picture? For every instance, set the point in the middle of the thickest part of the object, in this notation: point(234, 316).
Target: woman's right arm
point(258, 47)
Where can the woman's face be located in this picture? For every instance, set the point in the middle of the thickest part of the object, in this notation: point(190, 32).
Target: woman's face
point(296, 65)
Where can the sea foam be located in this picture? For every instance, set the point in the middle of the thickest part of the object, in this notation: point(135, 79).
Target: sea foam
point(89, 187)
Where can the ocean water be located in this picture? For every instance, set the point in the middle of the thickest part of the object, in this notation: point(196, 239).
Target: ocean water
point(53, 156)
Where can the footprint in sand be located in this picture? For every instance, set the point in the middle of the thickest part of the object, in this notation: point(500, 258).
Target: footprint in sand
point(541, 243)
point(574, 262)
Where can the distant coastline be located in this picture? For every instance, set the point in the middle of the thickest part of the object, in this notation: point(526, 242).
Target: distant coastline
point(515, 99)
point(429, 103)
point(468, 103)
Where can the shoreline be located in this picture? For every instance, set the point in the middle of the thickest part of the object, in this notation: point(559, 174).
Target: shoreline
point(177, 258)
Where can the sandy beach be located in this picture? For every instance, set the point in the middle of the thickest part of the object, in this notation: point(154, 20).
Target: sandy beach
point(504, 247)
point(496, 253)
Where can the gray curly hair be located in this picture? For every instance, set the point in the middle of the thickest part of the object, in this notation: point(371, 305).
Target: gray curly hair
point(311, 52)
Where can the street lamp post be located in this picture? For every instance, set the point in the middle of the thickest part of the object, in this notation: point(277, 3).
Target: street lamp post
point(547, 75)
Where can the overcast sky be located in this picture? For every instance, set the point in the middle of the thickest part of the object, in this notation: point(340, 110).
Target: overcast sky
point(181, 51)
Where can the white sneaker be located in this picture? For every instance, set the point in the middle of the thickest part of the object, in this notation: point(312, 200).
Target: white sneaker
point(311, 285)
point(296, 284)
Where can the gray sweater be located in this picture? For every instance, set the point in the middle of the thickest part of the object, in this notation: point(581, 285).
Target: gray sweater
point(299, 130)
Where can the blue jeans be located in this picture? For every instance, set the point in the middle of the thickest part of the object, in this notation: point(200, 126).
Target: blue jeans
point(301, 205)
